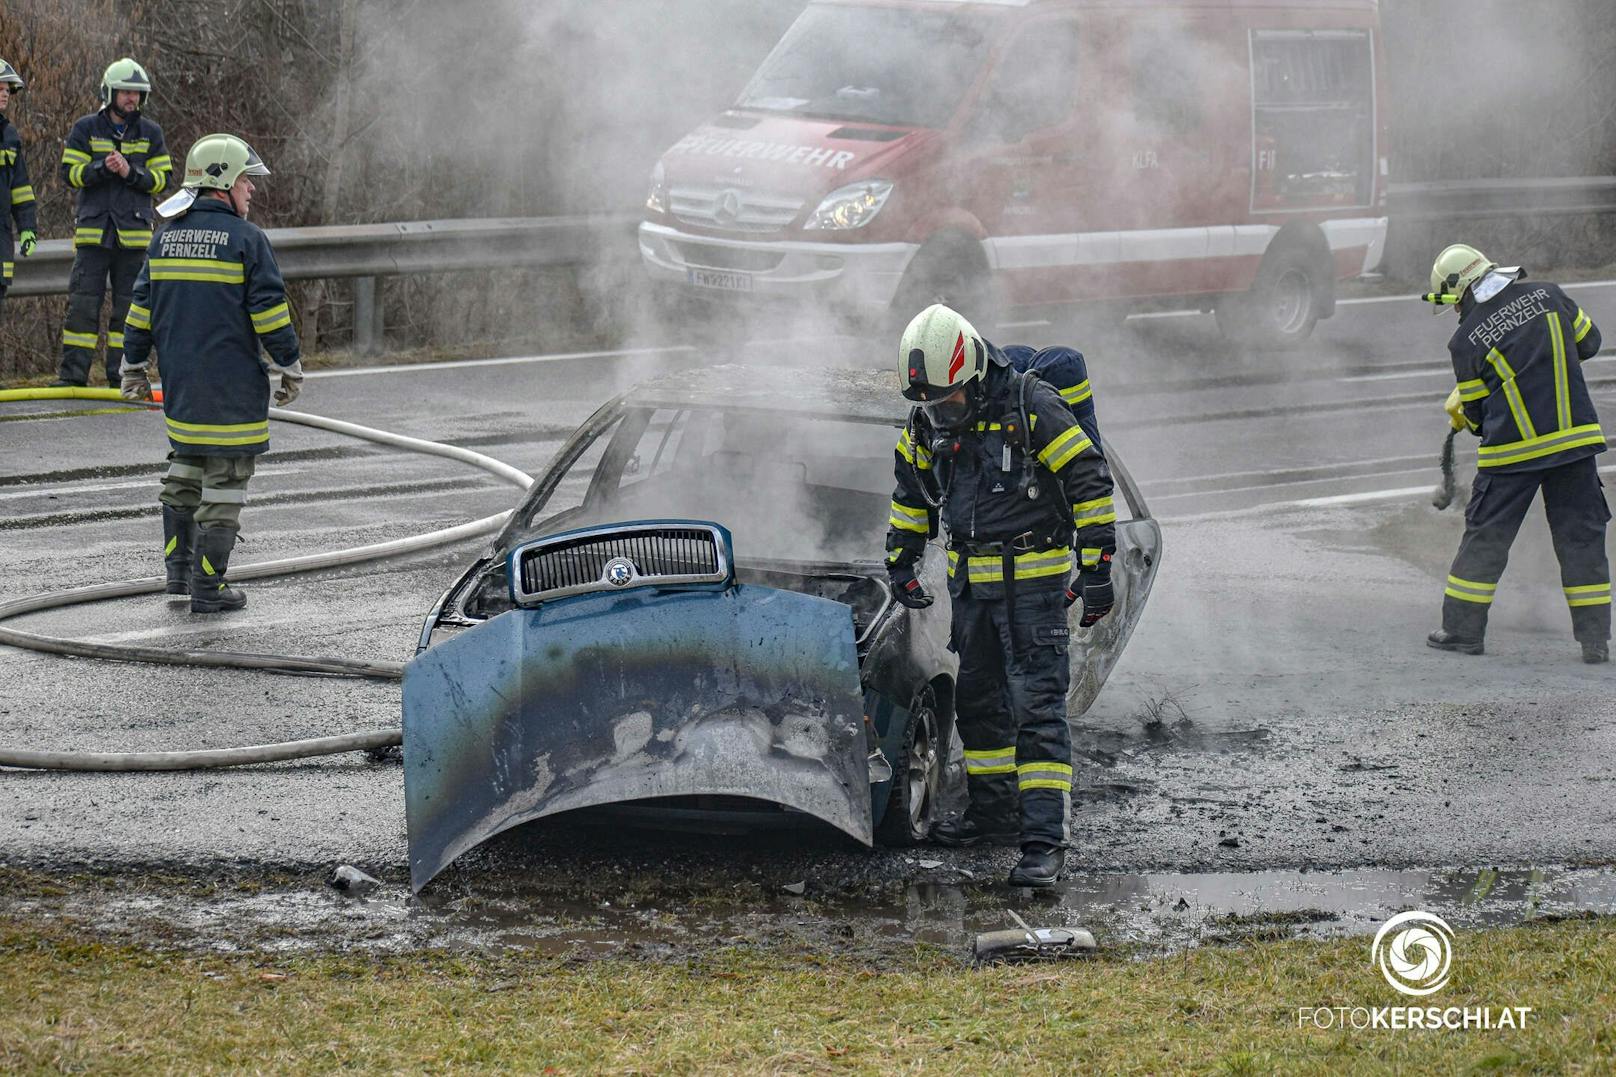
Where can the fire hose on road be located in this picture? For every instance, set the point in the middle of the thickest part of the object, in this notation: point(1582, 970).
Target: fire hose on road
point(262, 753)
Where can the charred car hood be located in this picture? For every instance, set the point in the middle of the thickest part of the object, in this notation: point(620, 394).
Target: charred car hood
point(607, 698)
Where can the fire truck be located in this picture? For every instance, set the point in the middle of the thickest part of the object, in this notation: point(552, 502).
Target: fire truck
point(1011, 155)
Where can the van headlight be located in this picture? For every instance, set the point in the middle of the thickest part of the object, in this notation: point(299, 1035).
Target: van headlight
point(853, 206)
point(657, 200)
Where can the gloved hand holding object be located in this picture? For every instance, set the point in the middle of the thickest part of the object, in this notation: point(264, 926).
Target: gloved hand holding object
point(25, 241)
point(291, 384)
point(906, 588)
point(1098, 597)
point(134, 383)
point(1455, 410)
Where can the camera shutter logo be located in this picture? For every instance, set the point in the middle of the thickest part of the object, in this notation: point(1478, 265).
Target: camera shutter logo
point(1414, 951)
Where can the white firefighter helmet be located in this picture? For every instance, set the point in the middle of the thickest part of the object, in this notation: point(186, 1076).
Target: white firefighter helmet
point(1454, 271)
point(124, 74)
point(214, 162)
point(9, 76)
point(942, 364)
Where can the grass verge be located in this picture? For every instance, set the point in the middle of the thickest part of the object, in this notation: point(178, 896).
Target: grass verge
point(71, 1002)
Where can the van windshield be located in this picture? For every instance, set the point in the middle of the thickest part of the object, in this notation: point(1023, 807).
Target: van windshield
point(894, 66)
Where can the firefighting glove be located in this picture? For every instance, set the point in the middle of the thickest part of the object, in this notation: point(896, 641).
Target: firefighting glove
point(1098, 598)
point(1455, 409)
point(25, 241)
point(133, 383)
point(291, 384)
point(906, 588)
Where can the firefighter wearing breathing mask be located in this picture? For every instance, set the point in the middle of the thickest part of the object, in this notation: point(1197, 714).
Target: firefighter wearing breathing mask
point(999, 462)
point(211, 300)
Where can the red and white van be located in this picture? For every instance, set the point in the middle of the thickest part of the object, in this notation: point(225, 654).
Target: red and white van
point(1211, 154)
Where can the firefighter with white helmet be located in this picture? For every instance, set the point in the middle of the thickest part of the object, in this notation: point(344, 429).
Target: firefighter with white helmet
point(211, 300)
point(117, 161)
point(16, 194)
point(997, 460)
point(1517, 357)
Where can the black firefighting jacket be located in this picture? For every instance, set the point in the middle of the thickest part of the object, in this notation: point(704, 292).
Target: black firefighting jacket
point(1518, 360)
point(984, 504)
point(209, 294)
point(114, 210)
point(15, 193)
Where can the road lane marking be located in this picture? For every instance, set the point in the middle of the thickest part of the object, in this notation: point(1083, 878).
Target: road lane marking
point(510, 360)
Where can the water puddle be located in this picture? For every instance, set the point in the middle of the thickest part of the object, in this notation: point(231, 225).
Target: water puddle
point(1156, 912)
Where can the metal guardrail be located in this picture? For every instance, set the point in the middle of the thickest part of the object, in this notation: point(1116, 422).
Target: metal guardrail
point(368, 251)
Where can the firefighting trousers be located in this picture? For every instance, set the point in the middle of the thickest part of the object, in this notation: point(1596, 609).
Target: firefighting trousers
point(93, 267)
point(1574, 502)
point(1011, 704)
point(214, 488)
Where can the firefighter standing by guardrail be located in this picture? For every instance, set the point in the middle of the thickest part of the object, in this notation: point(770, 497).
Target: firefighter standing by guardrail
point(1000, 458)
point(116, 160)
point(208, 297)
point(1517, 356)
point(15, 191)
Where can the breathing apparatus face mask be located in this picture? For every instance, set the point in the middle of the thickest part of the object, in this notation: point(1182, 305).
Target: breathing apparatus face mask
point(953, 413)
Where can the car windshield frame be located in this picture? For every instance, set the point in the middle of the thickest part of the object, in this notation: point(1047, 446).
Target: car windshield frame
point(927, 60)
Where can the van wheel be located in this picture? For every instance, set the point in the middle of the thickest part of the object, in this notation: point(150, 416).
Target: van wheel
point(917, 776)
point(1283, 305)
point(952, 273)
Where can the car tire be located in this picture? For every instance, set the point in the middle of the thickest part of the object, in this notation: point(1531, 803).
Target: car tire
point(951, 272)
point(1283, 304)
point(917, 775)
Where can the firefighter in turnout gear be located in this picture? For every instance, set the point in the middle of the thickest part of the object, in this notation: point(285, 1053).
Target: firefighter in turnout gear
point(16, 196)
point(1517, 357)
point(210, 299)
point(998, 460)
point(116, 160)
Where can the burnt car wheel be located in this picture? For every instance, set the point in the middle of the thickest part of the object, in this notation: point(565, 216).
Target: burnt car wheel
point(917, 776)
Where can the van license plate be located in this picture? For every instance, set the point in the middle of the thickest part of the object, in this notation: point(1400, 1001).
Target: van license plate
point(715, 278)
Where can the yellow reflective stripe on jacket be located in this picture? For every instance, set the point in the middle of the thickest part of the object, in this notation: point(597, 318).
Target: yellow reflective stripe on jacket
point(1536, 448)
point(71, 156)
point(991, 761)
point(222, 434)
point(87, 237)
point(1580, 327)
point(277, 317)
point(1064, 448)
point(75, 176)
point(1102, 510)
point(1512, 393)
point(134, 238)
point(7, 270)
point(211, 270)
point(137, 145)
point(160, 163)
point(114, 340)
point(19, 195)
point(159, 179)
point(989, 568)
point(905, 518)
point(1045, 776)
point(80, 340)
point(1473, 390)
point(1470, 591)
point(103, 145)
point(1089, 557)
point(1590, 594)
point(1562, 384)
point(8, 157)
point(916, 454)
point(1077, 393)
point(138, 317)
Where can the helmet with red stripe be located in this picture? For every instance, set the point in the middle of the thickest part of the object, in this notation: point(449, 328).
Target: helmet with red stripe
point(942, 363)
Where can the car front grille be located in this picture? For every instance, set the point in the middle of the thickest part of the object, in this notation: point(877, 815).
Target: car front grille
point(733, 210)
point(713, 256)
point(620, 557)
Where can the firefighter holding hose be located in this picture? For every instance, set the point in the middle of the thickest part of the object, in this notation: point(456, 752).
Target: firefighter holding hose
point(210, 298)
point(998, 459)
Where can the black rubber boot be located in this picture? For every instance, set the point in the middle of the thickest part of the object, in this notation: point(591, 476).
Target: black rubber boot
point(1040, 866)
point(209, 591)
point(1443, 640)
point(966, 830)
point(179, 535)
point(1595, 651)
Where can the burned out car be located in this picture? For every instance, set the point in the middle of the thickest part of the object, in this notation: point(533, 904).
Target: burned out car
point(688, 613)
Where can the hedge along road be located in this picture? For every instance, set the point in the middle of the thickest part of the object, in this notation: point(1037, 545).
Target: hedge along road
point(1303, 722)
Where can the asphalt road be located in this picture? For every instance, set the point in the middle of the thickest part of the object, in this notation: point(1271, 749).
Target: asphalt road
point(1302, 723)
